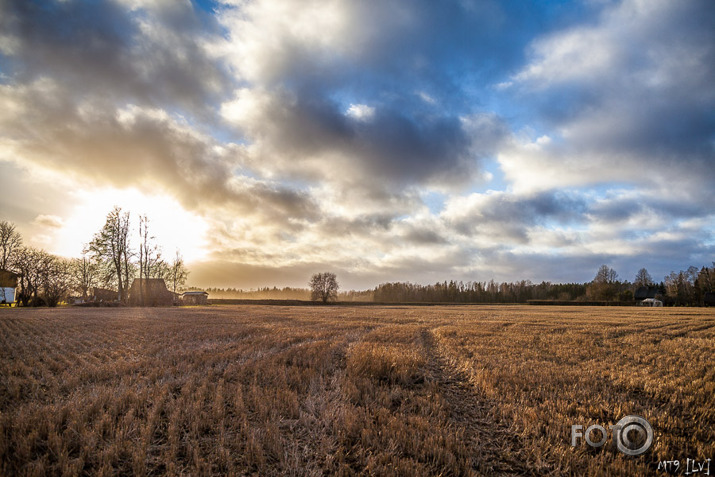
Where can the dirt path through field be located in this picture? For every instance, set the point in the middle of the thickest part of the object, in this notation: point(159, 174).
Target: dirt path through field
point(496, 449)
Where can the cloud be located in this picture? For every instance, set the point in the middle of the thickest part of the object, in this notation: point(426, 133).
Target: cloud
point(360, 112)
point(312, 138)
point(318, 134)
point(506, 216)
point(305, 64)
point(51, 221)
point(152, 53)
point(138, 84)
point(137, 147)
point(628, 98)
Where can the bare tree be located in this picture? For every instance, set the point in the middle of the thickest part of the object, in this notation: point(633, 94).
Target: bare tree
point(324, 286)
point(56, 279)
point(606, 274)
point(44, 278)
point(27, 263)
point(605, 284)
point(643, 278)
point(177, 272)
point(85, 274)
point(10, 243)
point(111, 246)
point(151, 264)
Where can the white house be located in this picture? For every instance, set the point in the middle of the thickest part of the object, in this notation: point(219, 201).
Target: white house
point(651, 302)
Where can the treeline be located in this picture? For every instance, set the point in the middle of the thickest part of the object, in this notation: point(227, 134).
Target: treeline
point(691, 287)
point(477, 292)
point(267, 293)
point(110, 260)
point(275, 293)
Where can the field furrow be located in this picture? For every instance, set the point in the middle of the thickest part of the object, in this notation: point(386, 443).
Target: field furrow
point(277, 390)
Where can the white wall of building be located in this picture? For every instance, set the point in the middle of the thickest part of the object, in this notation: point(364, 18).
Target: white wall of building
point(7, 295)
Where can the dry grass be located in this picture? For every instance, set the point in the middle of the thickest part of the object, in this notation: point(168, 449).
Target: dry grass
point(339, 390)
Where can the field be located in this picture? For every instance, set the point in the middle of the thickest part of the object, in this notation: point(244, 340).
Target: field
point(266, 390)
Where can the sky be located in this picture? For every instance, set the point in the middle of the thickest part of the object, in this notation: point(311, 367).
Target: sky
point(392, 140)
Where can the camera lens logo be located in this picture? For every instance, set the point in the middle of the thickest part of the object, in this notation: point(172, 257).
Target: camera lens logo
point(625, 429)
point(633, 435)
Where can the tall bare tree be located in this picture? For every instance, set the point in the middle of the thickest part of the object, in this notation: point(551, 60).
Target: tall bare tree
point(111, 246)
point(10, 243)
point(643, 278)
point(151, 264)
point(177, 272)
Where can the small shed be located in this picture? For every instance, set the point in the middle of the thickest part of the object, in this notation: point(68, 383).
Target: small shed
point(150, 292)
point(8, 284)
point(194, 298)
point(647, 296)
point(651, 302)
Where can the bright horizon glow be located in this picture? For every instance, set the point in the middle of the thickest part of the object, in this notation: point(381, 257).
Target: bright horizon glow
point(167, 223)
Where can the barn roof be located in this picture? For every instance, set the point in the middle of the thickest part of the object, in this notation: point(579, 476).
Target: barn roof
point(150, 292)
point(8, 279)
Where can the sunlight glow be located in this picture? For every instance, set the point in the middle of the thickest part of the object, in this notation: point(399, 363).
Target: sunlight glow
point(173, 227)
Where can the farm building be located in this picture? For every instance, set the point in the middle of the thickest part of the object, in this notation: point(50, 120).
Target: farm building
point(194, 298)
point(650, 302)
point(8, 283)
point(645, 296)
point(97, 294)
point(150, 292)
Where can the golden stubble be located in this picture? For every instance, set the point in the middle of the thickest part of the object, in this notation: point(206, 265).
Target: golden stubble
point(265, 390)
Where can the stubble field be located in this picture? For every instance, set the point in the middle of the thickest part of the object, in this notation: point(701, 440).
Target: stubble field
point(268, 390)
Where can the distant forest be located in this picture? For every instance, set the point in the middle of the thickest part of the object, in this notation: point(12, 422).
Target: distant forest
point(691, 287)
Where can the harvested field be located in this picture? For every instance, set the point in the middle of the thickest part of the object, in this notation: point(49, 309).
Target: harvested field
point(403, 390)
